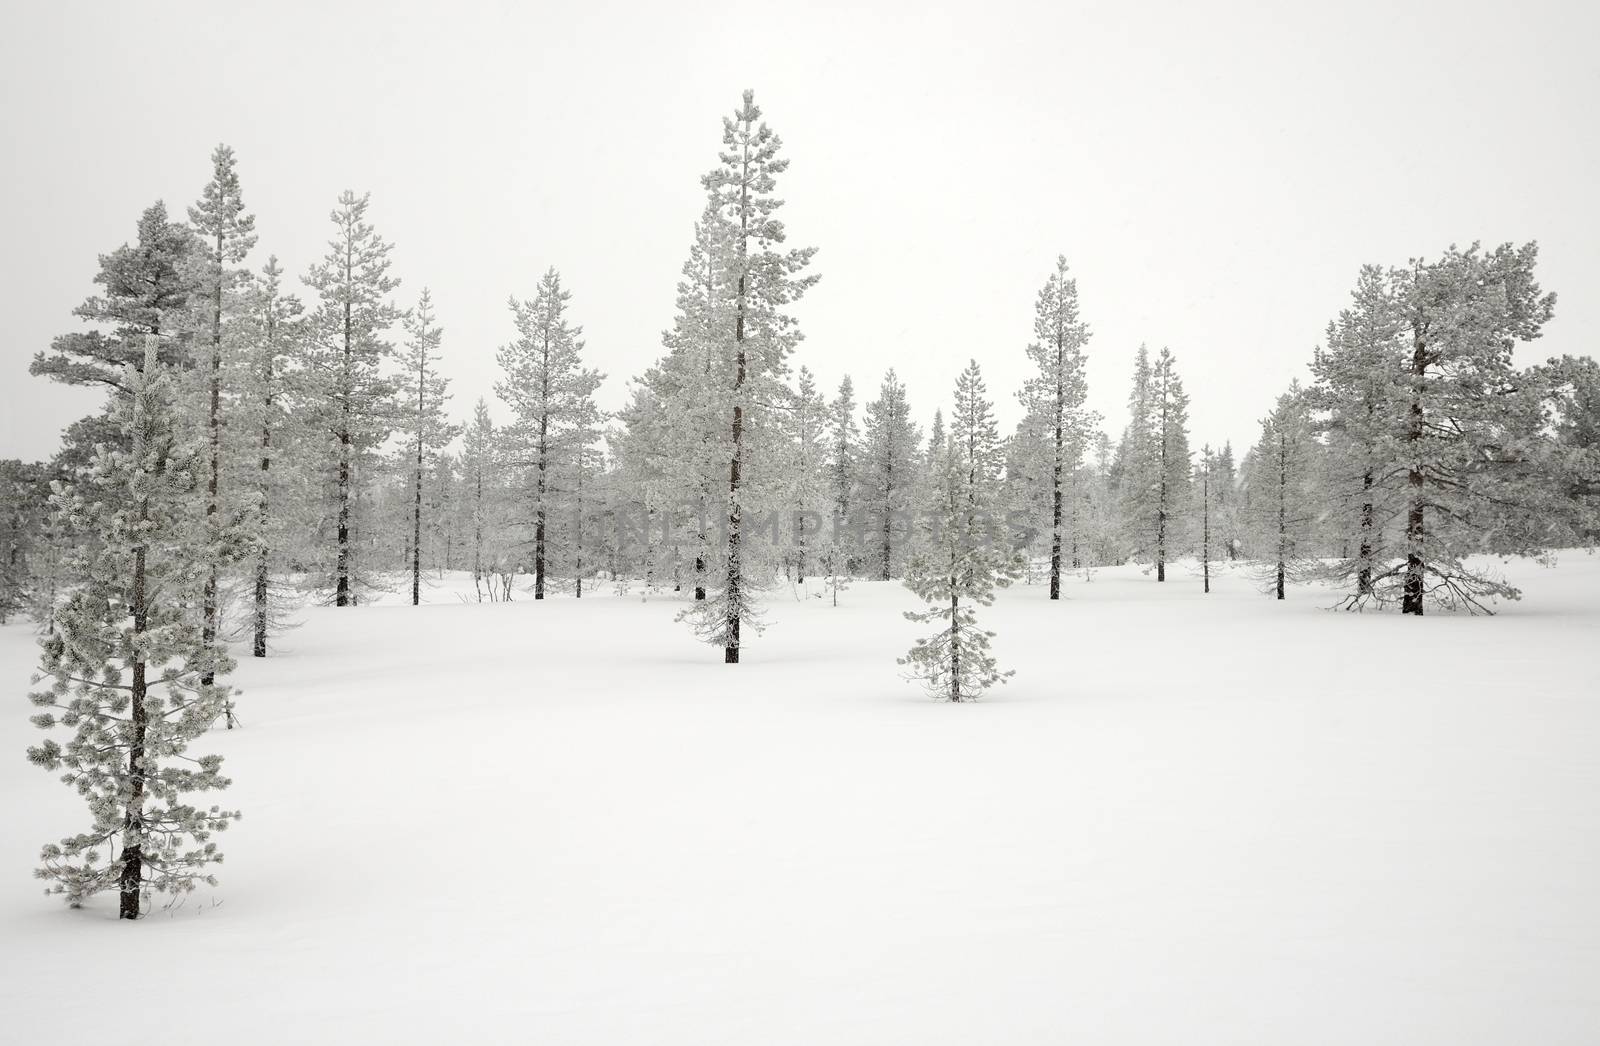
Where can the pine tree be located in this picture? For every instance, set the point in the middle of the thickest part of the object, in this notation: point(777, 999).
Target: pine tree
point(843, 462)
point(483, 459)
point(276, 330)
point(675, 456)
point(1418, 391)
point(1572, 396)
point(223, 236)
point(127, 663)
point(146, 290)
point(888, 473)
point(553, 394)
point(1358, 376)
point(804, 431)
point(1156, 483)
point(1058, 391)
point(963, 564)
point(762, 281)
point(1467, 420)
point(1204, 477)
point(426, 428)
point(1280, 479)
point(344, 364)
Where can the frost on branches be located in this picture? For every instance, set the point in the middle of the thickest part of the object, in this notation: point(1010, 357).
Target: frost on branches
point(757, 335)
point(965, 557)
point(128, 663)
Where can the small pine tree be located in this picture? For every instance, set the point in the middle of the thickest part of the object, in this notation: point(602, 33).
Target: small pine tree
point(1280, 480)
point(963, 562)
point(426, 428)
point(128, 664)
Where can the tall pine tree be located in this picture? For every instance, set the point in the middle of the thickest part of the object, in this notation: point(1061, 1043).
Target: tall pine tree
point(552, 392)
point(345, 359)
point(128, 663)
point(1056, 392)
point(426, 428)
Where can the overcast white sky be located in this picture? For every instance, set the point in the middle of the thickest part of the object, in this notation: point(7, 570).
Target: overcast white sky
point(1215, 174)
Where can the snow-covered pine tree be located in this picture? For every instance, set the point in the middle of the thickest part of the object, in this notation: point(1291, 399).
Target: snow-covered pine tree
point(1573, 406)
point(223, 236)
point(1058, 389)
point(273, 333)
point(762, 281)
point(426, 428)
point(803, 426)
point(1204, 479)
point(483, 501)
point(125, 658)
point(552, 392)
point(146, 289)
point(343, 365)
point(1358, 376)
point(674, 458)
point(655, 469)
point(844, 451)
point(1470, 425)
point(965, 560)
point(1280, 476)
point(887, 478)
point(1156, 483)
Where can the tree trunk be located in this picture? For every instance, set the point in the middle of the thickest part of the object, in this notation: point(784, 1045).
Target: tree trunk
point(341, 593)
point(1364, 576)
point(208, 627)
point(131, 880)
point(1416, 532)
point(1055, 488)
point(955, 643)
point(1283, 509)
point(888, 500)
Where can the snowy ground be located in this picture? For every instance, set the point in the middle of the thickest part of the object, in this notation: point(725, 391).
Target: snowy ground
point(1187, 820)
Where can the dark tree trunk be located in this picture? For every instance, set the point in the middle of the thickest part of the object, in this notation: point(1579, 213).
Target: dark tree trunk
point(1364, 575)
point(955, 642)
point(341, 592)
point(131, 879)
point(1283, 509)
point(208, 627)
point(888, 500)
point(735, 594)
point(264, 492)
point(735, 591)
point(1055, 487)
point(1416, 530)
